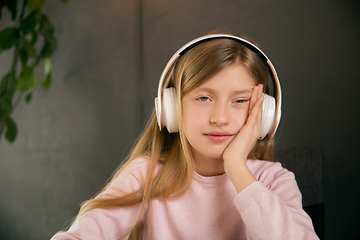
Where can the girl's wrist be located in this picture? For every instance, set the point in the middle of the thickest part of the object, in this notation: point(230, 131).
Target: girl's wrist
point(239, 174)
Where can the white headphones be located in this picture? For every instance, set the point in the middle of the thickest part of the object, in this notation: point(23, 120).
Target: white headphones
point(165, 103)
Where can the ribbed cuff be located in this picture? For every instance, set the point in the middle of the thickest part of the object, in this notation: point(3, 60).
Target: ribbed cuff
point(248, 195)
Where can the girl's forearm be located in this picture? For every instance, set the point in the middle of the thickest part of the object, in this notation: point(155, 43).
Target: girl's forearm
point(239, 174)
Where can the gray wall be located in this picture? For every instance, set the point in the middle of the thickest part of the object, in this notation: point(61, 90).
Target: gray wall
point(106, 69)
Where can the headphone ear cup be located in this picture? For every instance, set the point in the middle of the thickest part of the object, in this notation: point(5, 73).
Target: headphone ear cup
point(268, 115)
point(169, 110)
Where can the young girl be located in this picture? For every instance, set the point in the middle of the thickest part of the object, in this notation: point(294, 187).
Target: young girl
point(205, 180)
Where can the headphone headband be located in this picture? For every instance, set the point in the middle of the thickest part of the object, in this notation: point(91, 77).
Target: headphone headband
point(209, 37)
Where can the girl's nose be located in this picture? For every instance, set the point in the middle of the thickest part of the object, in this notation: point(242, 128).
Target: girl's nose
point(220, 114)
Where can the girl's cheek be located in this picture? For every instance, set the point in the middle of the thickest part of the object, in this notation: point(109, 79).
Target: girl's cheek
point(241, 119)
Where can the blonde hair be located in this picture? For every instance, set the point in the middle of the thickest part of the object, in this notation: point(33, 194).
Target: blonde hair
point(172, 151)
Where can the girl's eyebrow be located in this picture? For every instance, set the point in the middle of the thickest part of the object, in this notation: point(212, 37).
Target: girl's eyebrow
point(211, 90)
point(243, 91)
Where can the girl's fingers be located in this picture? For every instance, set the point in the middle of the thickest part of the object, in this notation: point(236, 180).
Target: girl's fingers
point(255, 107)
point(256, 112)
point(253, 97)
point(259, 110)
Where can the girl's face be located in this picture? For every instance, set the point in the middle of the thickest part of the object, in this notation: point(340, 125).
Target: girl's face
point(215, 111)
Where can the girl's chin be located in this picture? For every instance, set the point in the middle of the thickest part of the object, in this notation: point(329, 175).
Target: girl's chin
point(216, 156)
point(216, 153)
point(209, 156)
point(209, 153)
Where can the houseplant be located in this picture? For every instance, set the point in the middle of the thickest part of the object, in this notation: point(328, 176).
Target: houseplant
point(32, 40)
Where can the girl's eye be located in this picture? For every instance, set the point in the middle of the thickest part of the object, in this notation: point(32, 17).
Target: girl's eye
point(204, 99)
point(241, 100)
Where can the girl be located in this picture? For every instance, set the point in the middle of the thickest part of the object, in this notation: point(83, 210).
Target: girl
point(199, 182)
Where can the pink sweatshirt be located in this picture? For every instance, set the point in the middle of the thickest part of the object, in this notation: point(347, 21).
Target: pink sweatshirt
point(211, 209)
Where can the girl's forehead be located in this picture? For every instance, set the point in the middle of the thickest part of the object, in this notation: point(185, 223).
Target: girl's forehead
point(235, 77)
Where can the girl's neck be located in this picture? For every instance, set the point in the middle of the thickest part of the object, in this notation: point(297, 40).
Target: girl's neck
point(208, 167)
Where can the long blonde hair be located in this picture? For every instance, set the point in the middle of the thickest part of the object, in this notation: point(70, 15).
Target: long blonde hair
point(172, 151)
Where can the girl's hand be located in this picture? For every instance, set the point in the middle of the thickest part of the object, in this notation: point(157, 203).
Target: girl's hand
point(235, 155)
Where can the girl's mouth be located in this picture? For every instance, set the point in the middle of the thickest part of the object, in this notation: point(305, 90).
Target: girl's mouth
point(218, 136)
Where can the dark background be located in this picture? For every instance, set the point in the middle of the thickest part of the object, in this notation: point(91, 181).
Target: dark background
point(105, 74)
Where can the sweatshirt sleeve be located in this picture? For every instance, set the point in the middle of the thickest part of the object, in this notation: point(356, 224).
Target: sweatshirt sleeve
point(271, 207)
point(111, 223)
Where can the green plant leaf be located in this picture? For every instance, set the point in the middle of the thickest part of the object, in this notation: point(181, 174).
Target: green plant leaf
point(8, 37)
point(12, 6)
point(28, 97)
point(11, 130)
point(27, 80)
point(4, 84)
point(47, 82)
point(64, 1)
point(35, 5)
point(30, 49)
point(23, 56)
point(47, 65)
point(8, 84)
point(47, 68)
point(34, 37)
point(2, 4)
point(46, 28)
point(48, 48)
point(5, 106)
point(29, 23)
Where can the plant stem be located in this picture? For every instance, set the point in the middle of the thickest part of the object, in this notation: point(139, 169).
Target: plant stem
point(2, 127)
point(22, 11)
point(16, 52)
point(14, 63)
point(17, 101)
point(21, 17)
